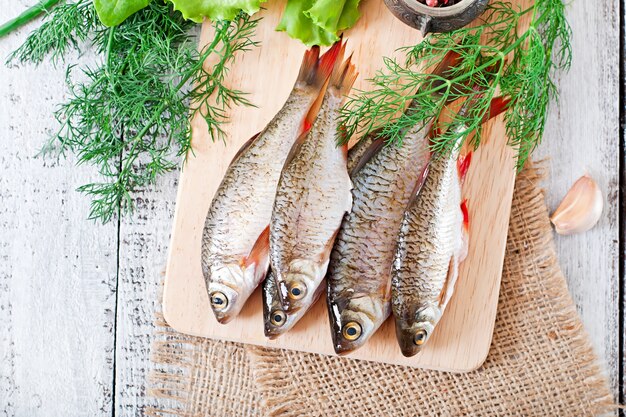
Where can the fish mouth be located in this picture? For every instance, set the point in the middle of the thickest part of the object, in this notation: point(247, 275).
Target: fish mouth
point(344, 349)
point(407, 340)
point(272, 333)
point(222, 318)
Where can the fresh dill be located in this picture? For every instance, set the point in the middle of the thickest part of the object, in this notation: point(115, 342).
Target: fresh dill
point(130, 117)
point(493, 56)
point(29, 14)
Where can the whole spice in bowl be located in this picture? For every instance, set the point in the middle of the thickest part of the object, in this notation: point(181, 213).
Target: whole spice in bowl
point(439, 3)
point(436, 15)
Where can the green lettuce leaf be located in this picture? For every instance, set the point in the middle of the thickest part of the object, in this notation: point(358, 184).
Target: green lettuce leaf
point(114, 12)
point(214, 10)
point(318, 22)
point(299, 26)
point(334, 15)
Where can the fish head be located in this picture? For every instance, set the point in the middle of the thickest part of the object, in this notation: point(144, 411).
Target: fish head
point(414, 328)
point(229, 288)
point(298, 286)
point(276, 321)
point(354, 321)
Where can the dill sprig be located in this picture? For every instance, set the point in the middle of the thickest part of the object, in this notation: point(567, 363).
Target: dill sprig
point(494, 55)
point(130, 114)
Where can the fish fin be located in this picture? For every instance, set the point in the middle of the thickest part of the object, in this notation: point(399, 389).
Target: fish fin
point(497, 106)
point(435, 130)
point(448, 285)
point(463, 164)
point(419, 184)
point(450, 60)
point(245, 146)
point(295, 148)
point(309, 66)
point(325, 255)
point(369, 153)
point(316, 69)
point(313, 111)
point(465, 214)
point(260, 251)
point(465, 232)
point(343, 76)
point(329, 59)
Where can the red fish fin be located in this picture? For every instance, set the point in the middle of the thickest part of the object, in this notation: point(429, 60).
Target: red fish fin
point(343, 76)
point(306, 124)
point(448, 62)
point(330, 57)
point(498, 105)
point(314, 69)
point(309, 67)
point(463, 164)
point(260, 251)
point(465, 212)
point(314, 110)
point(324, 68)
point(245, 146)
point(344, 149)
point(369, 153)
point(435, 130)
point(463, 251)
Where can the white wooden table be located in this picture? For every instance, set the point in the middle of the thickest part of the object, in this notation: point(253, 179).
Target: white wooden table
point(77, 299)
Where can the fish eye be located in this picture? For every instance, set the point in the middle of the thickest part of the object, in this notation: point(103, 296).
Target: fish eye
point(278, 318)
point(351, 331)
point(420, 337)
point(219, 301)
point(297, 291)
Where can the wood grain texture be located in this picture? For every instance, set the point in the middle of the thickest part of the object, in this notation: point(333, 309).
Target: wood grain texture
point(583, 135)
point(57, 269)
point(462, 339)
point(142, 254)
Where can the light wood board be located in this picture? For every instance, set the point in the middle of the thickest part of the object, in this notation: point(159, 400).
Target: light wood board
point(461, 341)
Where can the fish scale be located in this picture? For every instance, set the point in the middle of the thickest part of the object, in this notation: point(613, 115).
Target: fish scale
point(233, 198)
point(429, 244)
point(309, 186)
point(235, 239)
point(359, 273)
point(312, 196)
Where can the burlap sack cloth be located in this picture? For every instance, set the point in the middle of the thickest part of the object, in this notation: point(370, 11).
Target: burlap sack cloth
point(540, 364)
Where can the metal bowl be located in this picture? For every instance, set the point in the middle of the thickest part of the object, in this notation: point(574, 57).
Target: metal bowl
point(436, 19)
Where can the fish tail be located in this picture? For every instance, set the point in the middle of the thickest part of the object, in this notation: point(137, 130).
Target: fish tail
point(315, 70)
point(343, 75)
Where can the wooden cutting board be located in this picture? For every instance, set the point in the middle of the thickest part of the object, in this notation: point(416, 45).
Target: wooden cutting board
point(461, 341)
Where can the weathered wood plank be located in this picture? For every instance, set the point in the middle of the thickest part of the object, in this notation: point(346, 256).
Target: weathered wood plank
point(583, 134)
point(57, 269)
point(144, 240)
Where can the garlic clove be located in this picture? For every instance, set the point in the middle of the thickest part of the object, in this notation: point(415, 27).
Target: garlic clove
point(581, 208)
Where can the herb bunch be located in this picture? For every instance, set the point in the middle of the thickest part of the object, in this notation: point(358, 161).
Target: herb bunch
point(493, 55)
point(131, 115)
